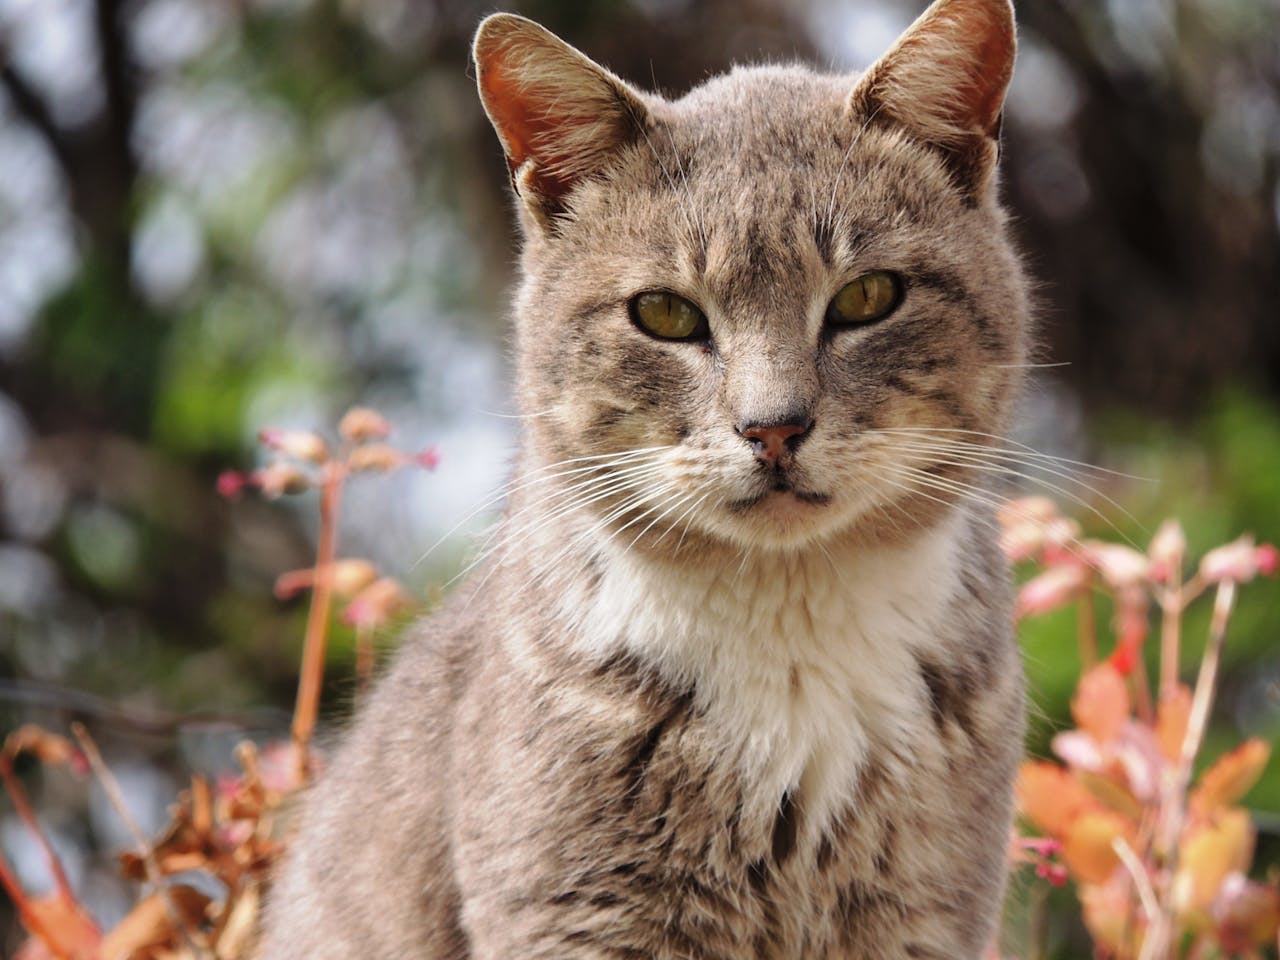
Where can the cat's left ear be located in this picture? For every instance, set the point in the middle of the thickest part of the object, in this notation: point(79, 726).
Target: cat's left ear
point(945, 82)
point(560, 116)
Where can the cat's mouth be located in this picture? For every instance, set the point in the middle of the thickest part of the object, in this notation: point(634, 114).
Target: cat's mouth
point(780, 487)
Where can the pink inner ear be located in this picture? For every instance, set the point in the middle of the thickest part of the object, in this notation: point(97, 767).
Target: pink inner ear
point(954, 63)
point(528, 125)
point(984, 94)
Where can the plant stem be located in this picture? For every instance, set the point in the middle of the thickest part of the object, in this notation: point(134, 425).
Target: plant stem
point(1142, 691)
point(1038, 934)
point(155, 876)
point(312, 673)
point(1160, 935)
point(1170, 635)
point(30, 919)
point(20, 803)
point(1087, 630)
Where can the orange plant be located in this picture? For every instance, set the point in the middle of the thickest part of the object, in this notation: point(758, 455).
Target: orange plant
point(227, 830)
point(1161, 863)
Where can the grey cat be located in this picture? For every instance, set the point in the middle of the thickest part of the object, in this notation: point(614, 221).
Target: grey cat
point(735, 676)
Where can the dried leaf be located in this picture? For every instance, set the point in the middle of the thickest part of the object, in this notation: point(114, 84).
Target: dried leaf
point(146, 926)
point(240, 926)
point(49, 748)
point(1231, 777)
point(1101, 703)
point(151, 924)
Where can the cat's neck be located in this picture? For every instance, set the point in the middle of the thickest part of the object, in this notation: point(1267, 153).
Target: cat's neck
point(807, 661)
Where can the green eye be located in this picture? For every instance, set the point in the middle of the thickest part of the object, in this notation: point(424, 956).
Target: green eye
point(873, 296)
point(668, 316)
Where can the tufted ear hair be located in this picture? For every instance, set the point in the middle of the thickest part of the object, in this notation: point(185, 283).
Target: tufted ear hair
point(944, 81)
point(559, 115)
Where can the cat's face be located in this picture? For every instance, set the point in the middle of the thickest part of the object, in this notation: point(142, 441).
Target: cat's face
point(769, 308)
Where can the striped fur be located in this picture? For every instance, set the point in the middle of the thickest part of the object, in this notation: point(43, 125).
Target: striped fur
point(688, 705)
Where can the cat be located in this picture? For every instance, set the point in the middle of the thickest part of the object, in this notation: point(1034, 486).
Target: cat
point(735, 676)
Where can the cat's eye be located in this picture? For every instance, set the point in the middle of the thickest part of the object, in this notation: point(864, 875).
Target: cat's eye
point(873, 296)
point(669, 316)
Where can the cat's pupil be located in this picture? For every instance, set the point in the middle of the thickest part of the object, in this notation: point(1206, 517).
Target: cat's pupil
point(668, 316)
point(871, 297)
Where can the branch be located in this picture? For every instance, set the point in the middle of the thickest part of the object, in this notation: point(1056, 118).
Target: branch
point(32, 108)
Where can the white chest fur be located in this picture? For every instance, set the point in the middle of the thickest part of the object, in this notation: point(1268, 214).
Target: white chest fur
point(804, 663)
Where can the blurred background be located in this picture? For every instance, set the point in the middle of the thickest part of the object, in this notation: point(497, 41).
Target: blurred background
point(219, 215)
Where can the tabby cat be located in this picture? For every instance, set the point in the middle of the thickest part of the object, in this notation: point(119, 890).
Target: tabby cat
point(734, 677)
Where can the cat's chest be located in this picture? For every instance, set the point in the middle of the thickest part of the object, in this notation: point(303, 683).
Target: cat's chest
point(805, 668)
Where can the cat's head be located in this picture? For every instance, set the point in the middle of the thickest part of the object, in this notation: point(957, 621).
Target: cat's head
point(775, 309)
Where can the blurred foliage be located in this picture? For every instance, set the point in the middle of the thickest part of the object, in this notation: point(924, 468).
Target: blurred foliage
point(1220, 476)
point(216, 216)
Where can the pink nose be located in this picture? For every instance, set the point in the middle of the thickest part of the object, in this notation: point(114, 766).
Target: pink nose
point(771, 442)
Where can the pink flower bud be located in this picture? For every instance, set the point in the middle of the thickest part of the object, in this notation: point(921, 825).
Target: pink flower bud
point(231, 483)
point(376, 604)
point(1060, 538)
point(292, 582)
point(299, 444)
point(352, 576)
point(1041, 846)
point(1267, 559)
point(1119, 565)
point(375, 457)
point(1055, 873)
point(428, 459)
point(1051, 589)
point(1037, 510)
point(1239, 560)
point(362, 424)
point(1166, 551)
point(349, 577)
point(277, 479)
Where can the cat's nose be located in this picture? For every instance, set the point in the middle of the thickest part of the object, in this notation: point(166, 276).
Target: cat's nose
point(771, 441)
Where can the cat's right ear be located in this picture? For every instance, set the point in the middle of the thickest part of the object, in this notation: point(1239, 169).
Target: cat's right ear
point(559, 115)
point(945, 81)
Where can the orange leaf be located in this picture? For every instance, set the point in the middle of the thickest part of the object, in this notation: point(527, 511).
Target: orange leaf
point(1108, 915)
point(1101, 704)
point(1111, 793)
point(1210, 852)
point(1050, 797)
point(1171, 721)
point(1087, 848)
point(1231, 777)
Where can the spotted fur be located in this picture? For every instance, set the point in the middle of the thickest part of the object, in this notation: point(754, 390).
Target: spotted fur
point(690, 704)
